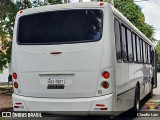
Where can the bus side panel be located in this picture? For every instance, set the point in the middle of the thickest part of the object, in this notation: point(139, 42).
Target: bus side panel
point(122, 89)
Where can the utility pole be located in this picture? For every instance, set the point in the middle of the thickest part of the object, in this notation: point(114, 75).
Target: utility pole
point(80, 0)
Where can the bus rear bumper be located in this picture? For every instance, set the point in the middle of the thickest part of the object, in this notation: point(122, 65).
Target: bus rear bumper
point(86, 106)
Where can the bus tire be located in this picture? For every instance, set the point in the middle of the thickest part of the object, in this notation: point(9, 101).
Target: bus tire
point(137, 100)
point(150, 95)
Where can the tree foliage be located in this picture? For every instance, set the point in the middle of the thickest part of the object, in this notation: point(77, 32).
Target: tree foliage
point(134, 14)
point(8, 11)
point(51, 2)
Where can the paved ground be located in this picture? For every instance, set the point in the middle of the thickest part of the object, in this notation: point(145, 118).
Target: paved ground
point(154, 99)
point(5, 97)
point(156, 96)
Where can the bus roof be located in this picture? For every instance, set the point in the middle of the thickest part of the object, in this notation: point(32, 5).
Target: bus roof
point(64, 6)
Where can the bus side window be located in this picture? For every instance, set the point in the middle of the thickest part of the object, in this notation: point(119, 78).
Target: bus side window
point(138, 50)
point(149, 55)
point(141, 50)
point(152, 55)
point(118, 40)
point(134, 46)
point(144, 52)
point(130, 50)
point(124, 43)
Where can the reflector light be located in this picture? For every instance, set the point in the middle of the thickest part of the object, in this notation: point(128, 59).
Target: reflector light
point(106, 74)
point(105, 84)
point(100, 105)
point(16, 106)
point(101, 4)
point(103, 108)
point(15, 75)
point(18, 103)
point(55, 52)
point(16, 85)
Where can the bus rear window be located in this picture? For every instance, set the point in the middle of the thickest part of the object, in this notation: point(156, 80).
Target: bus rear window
point(57, 27)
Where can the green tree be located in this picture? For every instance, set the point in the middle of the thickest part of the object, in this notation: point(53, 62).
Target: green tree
point(37, 3)
point(8, 11)
point(51, 2)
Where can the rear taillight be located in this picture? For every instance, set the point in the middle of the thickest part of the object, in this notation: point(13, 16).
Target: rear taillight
point(105, 74)
point(15, 75)
point(20, 11)
point(15, 85)
point(101, 4)
point(105, 84)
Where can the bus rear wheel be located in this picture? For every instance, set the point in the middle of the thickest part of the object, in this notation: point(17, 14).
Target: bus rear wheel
point(150, 95)
point(137, 100)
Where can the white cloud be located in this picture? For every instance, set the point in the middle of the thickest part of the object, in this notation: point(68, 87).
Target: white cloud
point(152, 14)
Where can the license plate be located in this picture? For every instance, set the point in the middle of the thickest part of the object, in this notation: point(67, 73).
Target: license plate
point(53, 81)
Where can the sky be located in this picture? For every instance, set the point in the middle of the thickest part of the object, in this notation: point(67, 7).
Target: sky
point(151, 10)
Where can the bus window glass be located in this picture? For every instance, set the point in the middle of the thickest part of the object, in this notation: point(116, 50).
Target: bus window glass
point(134, 47)
point(58, 27)
point(138, 50)
point(144, 52)
point(152, 55)
point(141, 50)
point(117, 38)
point(146, 46)
point(124, 44)
point(129, 41)
point(149, 55)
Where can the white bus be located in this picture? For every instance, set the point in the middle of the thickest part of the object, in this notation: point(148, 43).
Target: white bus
point(80, 57)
